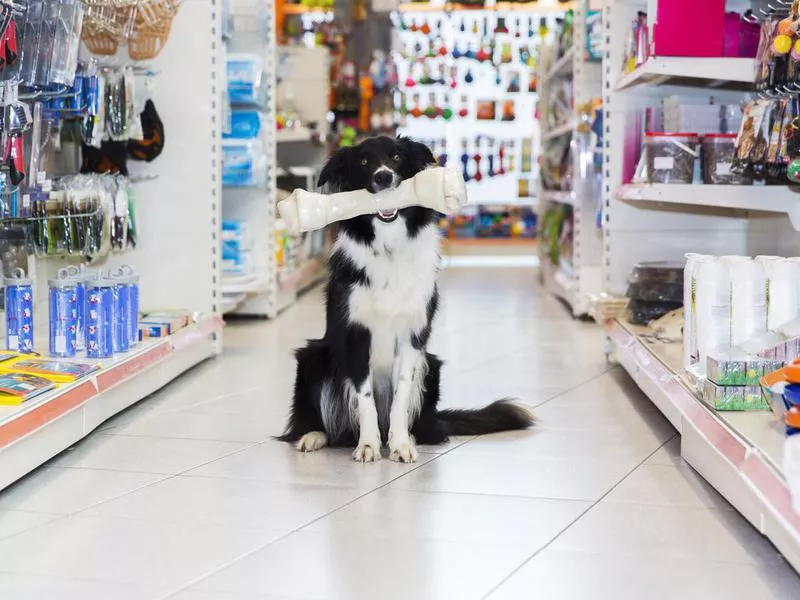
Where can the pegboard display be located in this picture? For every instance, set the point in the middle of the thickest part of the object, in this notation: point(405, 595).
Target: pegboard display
point(467, 86)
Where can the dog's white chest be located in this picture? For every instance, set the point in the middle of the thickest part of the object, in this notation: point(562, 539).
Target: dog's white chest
point(402, 277)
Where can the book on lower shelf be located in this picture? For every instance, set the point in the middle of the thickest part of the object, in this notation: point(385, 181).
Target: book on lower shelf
point(16, 388)
point(58, 371)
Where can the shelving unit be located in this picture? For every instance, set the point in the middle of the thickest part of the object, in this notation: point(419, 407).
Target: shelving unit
point(700, 72)
point(662, 222)
point(254, 32)
point(574, 283)
point(34, 432)
point(176, 256)
point(740, 454)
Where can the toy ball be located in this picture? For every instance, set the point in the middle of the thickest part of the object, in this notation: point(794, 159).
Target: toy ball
point(782, 44)
point(793, 171)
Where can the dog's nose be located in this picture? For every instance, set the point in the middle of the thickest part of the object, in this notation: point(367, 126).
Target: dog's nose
point(382, 180)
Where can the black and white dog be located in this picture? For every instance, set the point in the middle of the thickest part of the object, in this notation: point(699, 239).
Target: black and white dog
point(370, 380)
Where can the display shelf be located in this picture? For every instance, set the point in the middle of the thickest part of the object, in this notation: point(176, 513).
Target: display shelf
point(36, 431)
point(500, 6)
point(739, 454)
point(695, 71)
point(774, 199)
point(293, 134)
point(560, 196)
point(561, 67)
point(558, 130)
point(301, 9)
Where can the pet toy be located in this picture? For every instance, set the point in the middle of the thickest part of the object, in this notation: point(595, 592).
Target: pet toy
point(437, 188)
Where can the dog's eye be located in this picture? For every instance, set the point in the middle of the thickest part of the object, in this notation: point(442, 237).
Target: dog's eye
point(363, 162)
point(396, 158)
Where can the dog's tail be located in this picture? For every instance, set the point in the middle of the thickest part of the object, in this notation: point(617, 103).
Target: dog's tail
point(501, 415)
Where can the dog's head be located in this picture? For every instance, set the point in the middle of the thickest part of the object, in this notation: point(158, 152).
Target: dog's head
point(376, 164)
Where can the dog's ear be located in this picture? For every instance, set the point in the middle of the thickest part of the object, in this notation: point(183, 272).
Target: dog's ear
point(418, 156)
point(336, 171)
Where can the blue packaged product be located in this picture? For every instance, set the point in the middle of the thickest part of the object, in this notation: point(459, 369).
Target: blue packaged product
point(19, 312)
point(99, 306)
point(63, 317)
point(245, 124)
point(244, 72)
point(119, 317)
point(80, 277)
point(126, 277)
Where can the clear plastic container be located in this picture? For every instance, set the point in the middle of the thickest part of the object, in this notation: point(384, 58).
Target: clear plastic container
point(719, 152)
point(671, 156)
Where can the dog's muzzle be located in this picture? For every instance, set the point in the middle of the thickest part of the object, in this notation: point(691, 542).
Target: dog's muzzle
point(385, 179)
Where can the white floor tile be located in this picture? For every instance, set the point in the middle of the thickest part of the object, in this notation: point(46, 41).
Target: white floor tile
point(201, 426)
point(234, 502)
point(13, 522)
point(667, 485)
point(657, 532)
point(391, 514)
point(144, 454)
point(19, 586)
point(576, 576)
point(322, 567)
point(566, 479)
point(163, 556)
point(64, 491)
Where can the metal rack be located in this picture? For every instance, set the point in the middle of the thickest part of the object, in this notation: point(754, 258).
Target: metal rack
point(738, 453)
point(575, 283)
point(177, 256)
point(253, 30)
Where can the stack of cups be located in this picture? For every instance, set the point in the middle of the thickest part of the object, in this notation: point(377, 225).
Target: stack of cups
point(748, 295)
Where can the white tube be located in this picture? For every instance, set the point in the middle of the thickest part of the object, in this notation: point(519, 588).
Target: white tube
point(690, 351)
point(437, 188)
point(748, 300)
point(713, 297)
point(783, 292)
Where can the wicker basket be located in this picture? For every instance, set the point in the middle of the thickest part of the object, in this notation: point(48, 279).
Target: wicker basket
point(99, 42)
point(145, 44)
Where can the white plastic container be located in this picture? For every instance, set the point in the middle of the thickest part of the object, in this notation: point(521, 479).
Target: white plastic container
point(690, 350)
point(748, 300)
point(713, 309)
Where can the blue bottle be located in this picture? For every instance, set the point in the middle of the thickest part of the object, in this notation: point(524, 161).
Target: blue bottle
point(120, 300)
point(63, 317)
point(99, 326)
point(19, 312)
point(126, 276)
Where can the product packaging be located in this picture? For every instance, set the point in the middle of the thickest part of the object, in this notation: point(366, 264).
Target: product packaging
point(670, 157)
point(734, 398)
point(19, 312)
point(99, 320)
point(63, 315)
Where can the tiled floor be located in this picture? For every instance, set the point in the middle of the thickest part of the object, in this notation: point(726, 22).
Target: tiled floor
point(186, 496)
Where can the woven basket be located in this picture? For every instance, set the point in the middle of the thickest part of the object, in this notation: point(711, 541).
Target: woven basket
point(145, 44)
point(100, 43)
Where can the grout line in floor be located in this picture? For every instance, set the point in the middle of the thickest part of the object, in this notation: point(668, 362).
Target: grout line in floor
point(573, 522)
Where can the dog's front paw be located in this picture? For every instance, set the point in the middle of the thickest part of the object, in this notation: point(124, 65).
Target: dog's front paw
point(402, 451)
point(367, 452)
point(311, 442)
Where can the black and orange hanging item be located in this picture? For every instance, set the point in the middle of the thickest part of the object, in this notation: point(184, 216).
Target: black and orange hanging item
point(152, 143)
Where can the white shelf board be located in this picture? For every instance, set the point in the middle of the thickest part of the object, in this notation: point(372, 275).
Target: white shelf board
point(775, 199)
point(562, 197)
point(713, 71)
point(293, 134)
point(558, 131)
point(561, 67)
point(738, 454)
point(34, 432)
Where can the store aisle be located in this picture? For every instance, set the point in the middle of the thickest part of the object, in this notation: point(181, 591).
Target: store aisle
point(186, 496)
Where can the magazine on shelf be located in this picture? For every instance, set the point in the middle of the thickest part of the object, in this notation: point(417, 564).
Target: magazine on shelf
point(16, 388)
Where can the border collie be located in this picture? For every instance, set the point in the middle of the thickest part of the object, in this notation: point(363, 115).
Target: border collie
point(369, 380)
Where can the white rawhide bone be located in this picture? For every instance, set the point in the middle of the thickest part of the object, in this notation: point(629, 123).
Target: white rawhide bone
point(437, 188)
